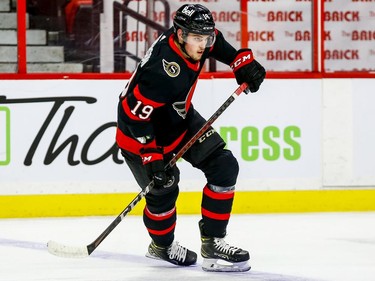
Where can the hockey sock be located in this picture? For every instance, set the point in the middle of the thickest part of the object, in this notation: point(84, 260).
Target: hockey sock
point(160, 226)
point(216, 209)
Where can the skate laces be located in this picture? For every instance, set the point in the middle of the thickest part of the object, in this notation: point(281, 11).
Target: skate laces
point(177, 252)
point(222, 246)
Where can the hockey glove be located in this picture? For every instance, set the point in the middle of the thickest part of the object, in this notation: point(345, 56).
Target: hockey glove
point(247, 69)
point(153, 161)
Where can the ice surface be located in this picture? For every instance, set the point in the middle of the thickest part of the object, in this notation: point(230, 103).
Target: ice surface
point(283, 247)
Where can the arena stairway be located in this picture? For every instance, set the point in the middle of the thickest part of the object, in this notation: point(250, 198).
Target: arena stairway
point(42, 55)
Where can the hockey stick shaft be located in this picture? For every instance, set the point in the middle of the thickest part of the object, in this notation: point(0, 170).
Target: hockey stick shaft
point(91, 247)
point(209, 122)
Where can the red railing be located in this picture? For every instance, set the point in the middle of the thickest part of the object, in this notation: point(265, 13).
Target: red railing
point(21, 35)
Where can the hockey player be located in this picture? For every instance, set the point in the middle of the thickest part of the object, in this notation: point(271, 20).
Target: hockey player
point(156, 117)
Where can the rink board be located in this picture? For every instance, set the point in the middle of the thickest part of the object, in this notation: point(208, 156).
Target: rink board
point(303, 145)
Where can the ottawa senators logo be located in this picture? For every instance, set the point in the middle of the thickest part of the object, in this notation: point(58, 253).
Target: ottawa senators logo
point(171, 68)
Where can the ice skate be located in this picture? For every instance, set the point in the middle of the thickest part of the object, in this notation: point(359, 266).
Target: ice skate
point(175, 254)
point(219, 256)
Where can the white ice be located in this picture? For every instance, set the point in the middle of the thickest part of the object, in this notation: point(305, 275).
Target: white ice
point(283, 247)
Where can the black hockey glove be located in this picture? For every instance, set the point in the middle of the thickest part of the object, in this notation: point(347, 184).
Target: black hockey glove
point(247, 69)
point(153, 161)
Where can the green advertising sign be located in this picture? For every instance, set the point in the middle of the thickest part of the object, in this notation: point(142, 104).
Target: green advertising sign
point(4, 136)
point(271, 143)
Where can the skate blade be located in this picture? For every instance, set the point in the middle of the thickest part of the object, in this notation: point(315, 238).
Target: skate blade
point(219, 265)
point(148, 255)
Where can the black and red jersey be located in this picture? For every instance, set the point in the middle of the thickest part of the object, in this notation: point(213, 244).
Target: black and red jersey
point(155, 108)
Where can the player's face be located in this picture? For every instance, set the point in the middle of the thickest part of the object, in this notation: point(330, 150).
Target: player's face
point(195, 44)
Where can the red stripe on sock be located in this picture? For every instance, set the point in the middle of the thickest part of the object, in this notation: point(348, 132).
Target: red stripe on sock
point(159, 217)
point(161, 232)
point(218, 196)
point(215, 216)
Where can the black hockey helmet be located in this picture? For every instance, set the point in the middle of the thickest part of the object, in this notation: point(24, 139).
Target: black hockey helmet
point(194, 18)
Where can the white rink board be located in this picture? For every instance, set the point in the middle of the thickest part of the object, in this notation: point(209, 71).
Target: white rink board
point(275, 134)
point(349, 132)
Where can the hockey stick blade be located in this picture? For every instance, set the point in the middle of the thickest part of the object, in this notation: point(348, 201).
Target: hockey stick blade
point(65, 251)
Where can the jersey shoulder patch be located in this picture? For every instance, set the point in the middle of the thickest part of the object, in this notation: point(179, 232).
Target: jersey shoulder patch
point(171, 68)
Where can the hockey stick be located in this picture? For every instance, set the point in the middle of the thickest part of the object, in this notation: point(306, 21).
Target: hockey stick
point(62, 250)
